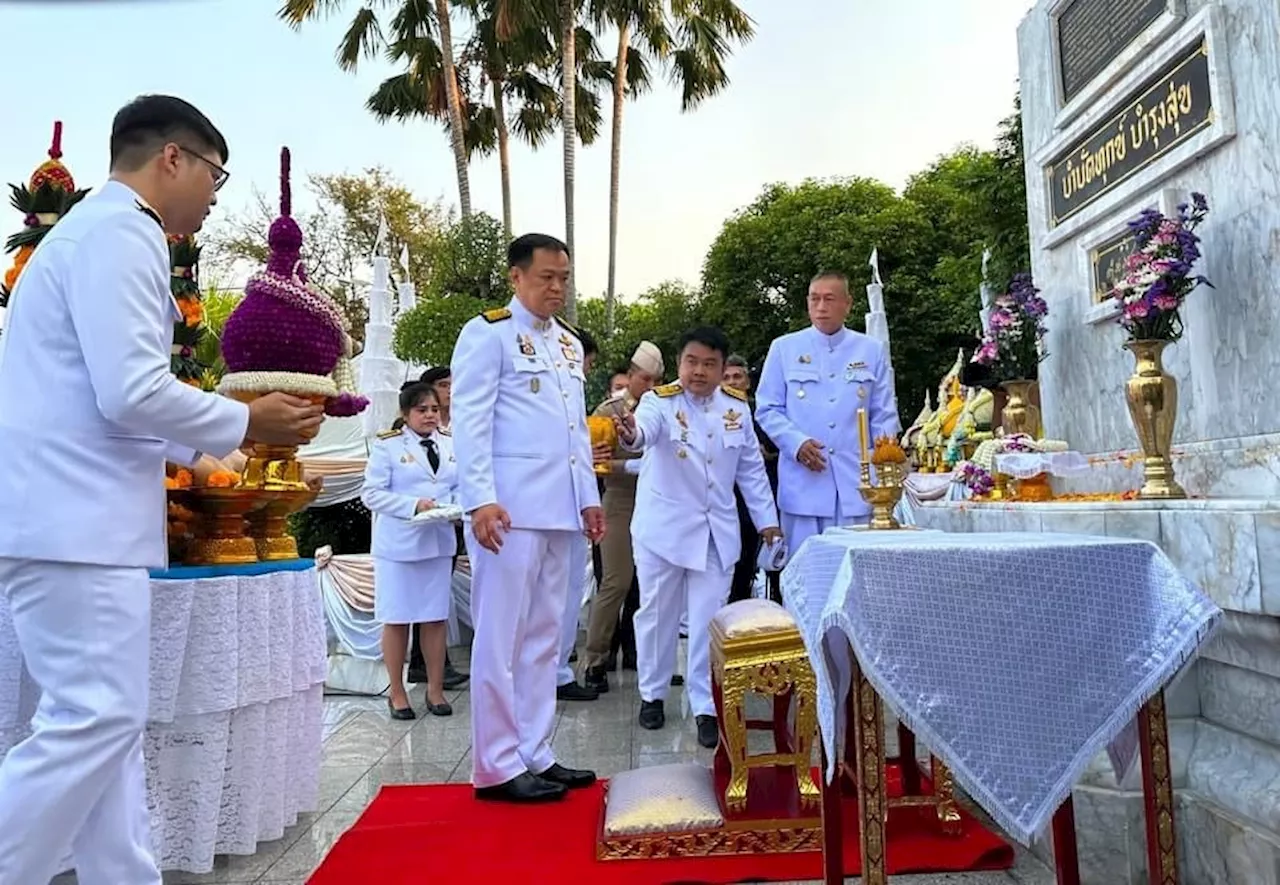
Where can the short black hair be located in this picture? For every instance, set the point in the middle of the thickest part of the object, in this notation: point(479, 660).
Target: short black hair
point(149, 122)
point(435, 375)
point(412, 395)
point(520, 252)
point(589, 347)
point(707, 336)
point(735, 359)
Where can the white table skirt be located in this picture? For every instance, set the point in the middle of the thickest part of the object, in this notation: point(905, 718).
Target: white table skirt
point(233, 743)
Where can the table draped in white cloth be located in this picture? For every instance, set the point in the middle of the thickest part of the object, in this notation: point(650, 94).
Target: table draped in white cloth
point(1014, 657)
point(233, 741)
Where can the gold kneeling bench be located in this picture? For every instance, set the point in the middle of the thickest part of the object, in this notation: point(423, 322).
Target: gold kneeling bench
point(756, 647)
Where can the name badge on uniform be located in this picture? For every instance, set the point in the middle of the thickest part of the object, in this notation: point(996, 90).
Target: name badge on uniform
point(852, 369)
point(732, 420)
point(526, 345)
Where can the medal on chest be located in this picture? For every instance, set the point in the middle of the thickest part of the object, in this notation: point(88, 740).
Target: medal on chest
point(805, 359)
point(683, 421)
point(567, 349)
point(526, 345)
point(732, 420)
point(534, 386)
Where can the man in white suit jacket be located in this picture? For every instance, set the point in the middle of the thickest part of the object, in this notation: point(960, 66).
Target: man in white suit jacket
point(89, 413)
point(526, 483)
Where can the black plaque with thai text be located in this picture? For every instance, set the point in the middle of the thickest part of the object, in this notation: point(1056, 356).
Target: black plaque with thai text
point(1163, 113)
point(1106, 264)
point(1092, 33)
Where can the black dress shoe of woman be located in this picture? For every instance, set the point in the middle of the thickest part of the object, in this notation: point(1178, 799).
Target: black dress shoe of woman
point(439, 709)
point(402, 713)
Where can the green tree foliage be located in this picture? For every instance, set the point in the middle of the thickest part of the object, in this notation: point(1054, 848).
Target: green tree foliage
point(471, 277)
point(661, 315)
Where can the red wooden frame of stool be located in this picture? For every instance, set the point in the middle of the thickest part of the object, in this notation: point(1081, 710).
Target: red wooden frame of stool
point(864, 758)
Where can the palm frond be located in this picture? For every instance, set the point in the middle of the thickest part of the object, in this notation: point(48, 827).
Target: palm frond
point(639, 79)
point(363, 39)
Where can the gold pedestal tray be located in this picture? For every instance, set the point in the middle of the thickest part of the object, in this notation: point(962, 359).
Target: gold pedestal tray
point(268, 527)
point(223, 539)
point(274, 468)
point(884, 495)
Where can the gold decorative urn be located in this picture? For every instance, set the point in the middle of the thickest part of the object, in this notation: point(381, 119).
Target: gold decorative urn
point(1152, 395)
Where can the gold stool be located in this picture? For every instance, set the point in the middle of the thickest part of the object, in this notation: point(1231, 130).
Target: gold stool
point(756, 647)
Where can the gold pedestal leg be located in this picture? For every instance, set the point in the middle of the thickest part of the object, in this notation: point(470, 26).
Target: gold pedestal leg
point(872, 804)
point(1157, 790)
point(944, 790)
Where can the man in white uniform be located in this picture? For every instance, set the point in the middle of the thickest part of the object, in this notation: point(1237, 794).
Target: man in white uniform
point(89, 413)
point(699, 441)
point(525, 480)
point(811, 387)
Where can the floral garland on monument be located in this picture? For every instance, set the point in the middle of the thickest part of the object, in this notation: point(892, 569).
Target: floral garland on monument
point(978, 473)
point(46, 198)
point(286, 335)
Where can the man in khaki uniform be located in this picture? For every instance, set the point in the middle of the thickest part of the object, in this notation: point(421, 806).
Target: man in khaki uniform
point(619, 501)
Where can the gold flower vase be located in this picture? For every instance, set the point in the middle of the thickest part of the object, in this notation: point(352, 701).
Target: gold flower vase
point(1152, 395)
point(268, 525)
point(1018, 415)
point(603, 432)
point(223, 538)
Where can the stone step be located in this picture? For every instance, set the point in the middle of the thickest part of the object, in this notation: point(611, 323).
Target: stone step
point(1238, 772)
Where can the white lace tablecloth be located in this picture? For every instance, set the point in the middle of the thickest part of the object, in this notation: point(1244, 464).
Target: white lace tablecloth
point(233, 743)
point(1014, 657)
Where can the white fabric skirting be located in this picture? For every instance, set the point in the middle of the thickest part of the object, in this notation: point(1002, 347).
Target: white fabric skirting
point(233, 745)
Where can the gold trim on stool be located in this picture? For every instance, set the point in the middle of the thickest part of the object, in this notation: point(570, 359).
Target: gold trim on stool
point(1153, 738)
point(872, 807)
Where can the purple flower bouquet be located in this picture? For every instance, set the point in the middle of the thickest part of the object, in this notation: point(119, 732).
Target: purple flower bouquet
point(286, 335)
point(1158, 274)
point(1013, 342)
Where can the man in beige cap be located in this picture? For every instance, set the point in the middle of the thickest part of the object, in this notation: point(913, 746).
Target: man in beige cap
point(619, 501)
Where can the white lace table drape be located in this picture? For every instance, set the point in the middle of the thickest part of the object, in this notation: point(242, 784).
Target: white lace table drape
point(1015, 657)
point(233, 746)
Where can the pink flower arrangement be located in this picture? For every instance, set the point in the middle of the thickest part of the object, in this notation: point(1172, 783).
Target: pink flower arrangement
point(1158, 275)
point(1013, 344)
point(976, 479)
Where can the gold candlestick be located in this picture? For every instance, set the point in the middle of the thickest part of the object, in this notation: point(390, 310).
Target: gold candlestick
point(864, 440)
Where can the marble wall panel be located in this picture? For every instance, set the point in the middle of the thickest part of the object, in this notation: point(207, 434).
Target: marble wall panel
point(1242, 700)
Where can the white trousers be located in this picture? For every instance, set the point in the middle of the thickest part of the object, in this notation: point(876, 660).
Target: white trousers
point(797, 529)
point(78, 782)
point(517, 607)
point(666, 591)
point(572, 608)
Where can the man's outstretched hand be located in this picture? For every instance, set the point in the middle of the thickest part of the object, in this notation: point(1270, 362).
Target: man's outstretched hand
point(488, 524)
point(279, 419)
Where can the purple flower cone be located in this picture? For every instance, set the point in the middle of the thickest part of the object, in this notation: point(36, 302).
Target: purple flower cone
point(265, 334)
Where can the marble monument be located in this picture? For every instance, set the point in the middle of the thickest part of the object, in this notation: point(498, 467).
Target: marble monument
point(1129, 104)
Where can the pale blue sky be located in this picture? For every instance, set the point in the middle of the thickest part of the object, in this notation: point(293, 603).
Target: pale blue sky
point(828, 88)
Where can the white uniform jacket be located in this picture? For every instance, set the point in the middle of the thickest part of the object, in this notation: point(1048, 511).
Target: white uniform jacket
point(695, 450)
point(519, 419)
point(398, 475)
point(811, 387)
point(89, 411)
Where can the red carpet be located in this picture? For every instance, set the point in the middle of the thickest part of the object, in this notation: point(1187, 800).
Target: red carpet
point(440, 833)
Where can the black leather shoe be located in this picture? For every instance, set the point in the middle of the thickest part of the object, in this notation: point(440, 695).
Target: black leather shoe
point(708, 732)
point(571, 778)
point(651, 715)
point(439, 709)
point(596, 679)
point(677, 680)
point(573, 657)
point(404, 714)
point(572, 691)
point(524, 787)
point(453, 679)
point(417, 676)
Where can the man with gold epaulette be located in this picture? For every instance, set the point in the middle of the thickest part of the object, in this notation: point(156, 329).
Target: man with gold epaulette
point(699, 441)
point(527, 486)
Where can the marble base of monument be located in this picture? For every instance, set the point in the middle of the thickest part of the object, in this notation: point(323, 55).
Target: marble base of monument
point(1224, 736)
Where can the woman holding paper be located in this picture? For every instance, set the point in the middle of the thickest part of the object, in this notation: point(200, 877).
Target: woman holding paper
point(411, 479)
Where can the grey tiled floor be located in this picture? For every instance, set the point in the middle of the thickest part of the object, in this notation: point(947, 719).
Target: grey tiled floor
point(364, 749)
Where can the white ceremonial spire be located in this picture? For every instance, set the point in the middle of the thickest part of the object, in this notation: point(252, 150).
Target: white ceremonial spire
point(988, 296)
point(380, 241)
point(877, 322)
point(381, 374)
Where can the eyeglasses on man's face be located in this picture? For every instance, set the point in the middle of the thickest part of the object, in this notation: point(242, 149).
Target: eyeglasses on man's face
point(220, 175)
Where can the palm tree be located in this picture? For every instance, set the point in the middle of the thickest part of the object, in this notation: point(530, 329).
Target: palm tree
point(568, 107)
point(420, 36)
point(695, 54)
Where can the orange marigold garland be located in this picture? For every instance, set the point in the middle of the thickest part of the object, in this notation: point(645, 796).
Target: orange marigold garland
point(189, 332)
point(48, 196)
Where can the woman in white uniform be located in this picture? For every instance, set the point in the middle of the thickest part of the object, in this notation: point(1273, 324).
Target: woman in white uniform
point(411, 471)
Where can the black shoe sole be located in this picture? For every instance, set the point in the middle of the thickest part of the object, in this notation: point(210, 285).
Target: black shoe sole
point(491, 794)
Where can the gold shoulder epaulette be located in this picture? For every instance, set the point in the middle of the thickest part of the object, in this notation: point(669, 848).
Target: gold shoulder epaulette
point(497, 315)
point(568, 326)
point(149, 212)
point(734, 392)
point(667, 390)
point(388, 434)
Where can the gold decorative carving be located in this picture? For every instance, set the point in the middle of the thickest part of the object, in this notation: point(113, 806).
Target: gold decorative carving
point(873, 810)
point(1153, 735)
point(756, 840)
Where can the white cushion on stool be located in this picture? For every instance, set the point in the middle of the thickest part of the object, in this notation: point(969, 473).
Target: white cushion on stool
point(751, 617)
